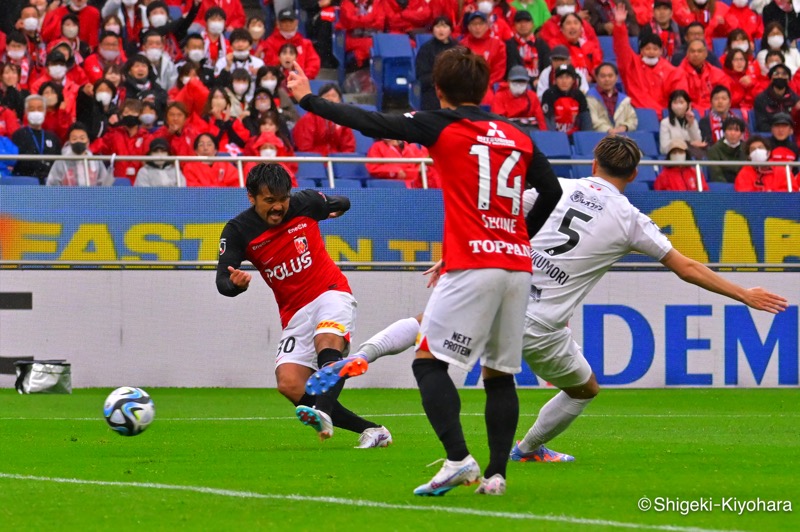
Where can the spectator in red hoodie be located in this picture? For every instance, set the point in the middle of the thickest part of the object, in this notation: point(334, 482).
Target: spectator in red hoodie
point(315, 134)
point(361, 19)
point(408, 172)
point(516, 100)
point(286, 32)
point(179, 132)
point(763, 178)
point(128, 138)
point(269, 145)
point(585, 54)
point(746, 19)
point(701, 76)
point(490, 48)
point(745, 79)
point(228, 131)
point(407, 16)
point(678, 178)
point(108, 52)
point(209, 174)
point(235, 12)
point(89, 17)
point(57, 118)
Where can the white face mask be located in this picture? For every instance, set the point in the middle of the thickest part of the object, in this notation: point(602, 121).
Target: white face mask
point(153, 54)
point(562, 11)
point(731, 144)
point(517, 88)
point(147, 119)
point(288, 34)
point(740, 3)
point(30, 24)
point(241, 55)
point(36, 118)
point(215, 27)
point(701, 2)
point(269, 152)
point(485, 7)
point(775, 41)
point(256, 32)
point(16, 54)
point(196, 55)
point(759, 155)
point(650, 61)
point(114, 29)
point(57, 71)
point(78, 8)
point(104, 98)
point(741, 45)
point(185, 80)
point(263, 106)
point(269, 84)
point(108, 55)
point(677, 156)
point(240, 88)
point(70, 32)
point(158, 20)
point(130, 2)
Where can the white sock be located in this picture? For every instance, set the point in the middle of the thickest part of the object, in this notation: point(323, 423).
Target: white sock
point(554, 418)
point(394, 339)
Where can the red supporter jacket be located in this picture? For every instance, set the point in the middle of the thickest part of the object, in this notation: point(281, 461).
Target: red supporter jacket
point(391, 170)
point(307, 56)
point(9, 122)
point(493, 50)
point(224, 140)
point(643, 9)
point(742, 97)
point(88, 19)
point(701, 83)
point(647, 86)
point(527, 106)
point(252, 149)
point(586, 55)
point(193, 96)
point(117, 141)
point(551, 32)
point(182, 142)
point(678, 178)
point(94, 65)
point(314, 133)
point(748, 20)
point(415, 16)
point(233, 9)
point(58, 121)
point(219, 174)
point(750, 179)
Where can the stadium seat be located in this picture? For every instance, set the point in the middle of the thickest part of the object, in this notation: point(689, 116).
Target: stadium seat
point(554, 144)
point(718, 46)
point(18, 180)
point(422, 38)
point(349, 170)
point(392, 65)
point(175, 12)
point(122, 182)
point(311, 171)
point(385, 183)
point(638, 186)
point(348, 183)
point(634, 44)
point(714, 186)
point(607, 46)
point(580, 171)
point(340, 55)
point(648, 120)
point(308, 183)
point(316, 84)
point(366, 107)
point(585, 141)
point(647, 173)
point(647, 143)
point(363, 142)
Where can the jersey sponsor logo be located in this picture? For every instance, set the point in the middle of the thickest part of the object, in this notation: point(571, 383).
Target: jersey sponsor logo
point(286, 269)
point(459, 344)
point(543, 265)
point(494, 132)
point(498, 222)
point(331, 325)
point(261, 245)
point(591, 202)
point(297, 228)
point(222, 246)
point(498, 246)
point(496, 137)
point(301, 244)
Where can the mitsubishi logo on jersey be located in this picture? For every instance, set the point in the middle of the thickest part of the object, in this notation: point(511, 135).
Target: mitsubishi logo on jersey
point(301, 244)
point(494, 132)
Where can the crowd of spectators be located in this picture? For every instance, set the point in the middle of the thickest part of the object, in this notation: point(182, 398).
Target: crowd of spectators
point(200, 77)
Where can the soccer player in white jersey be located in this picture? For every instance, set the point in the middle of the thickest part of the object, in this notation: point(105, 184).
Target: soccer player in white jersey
point(592, 226)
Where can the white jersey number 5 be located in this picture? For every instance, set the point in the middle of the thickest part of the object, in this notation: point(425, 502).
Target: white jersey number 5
point(485, 179)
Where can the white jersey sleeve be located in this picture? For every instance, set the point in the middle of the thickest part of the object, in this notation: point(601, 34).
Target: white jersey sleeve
point(647, 238)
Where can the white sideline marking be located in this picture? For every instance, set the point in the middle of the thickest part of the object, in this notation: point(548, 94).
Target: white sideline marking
point(357, 502)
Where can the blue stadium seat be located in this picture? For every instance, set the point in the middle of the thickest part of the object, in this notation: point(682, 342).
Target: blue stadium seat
point(422, 38)
point(718, 46)
point(647, 143)
point(366, 106)
point(308, 183)
point(638, 186)
point(363, 142)
point(714, 186)
point(648, 120)
point(18, 180)
point(385, 183)
point(175, 12)
point(122, 182)
point(311, 171)
point(316, 84)
point(349, 170)
point(585, 141)
point(392, 65)
point(607, 46)
point(348, 183)
point(634, 44)
point(554, 144)
point(581, 170)
point(340, 55)
point(647, 174)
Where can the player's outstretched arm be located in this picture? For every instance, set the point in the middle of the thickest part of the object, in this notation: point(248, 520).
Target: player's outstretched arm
point(231, 281)
point(693, 272)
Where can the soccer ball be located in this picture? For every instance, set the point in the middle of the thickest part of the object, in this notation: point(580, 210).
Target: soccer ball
point(129, 410)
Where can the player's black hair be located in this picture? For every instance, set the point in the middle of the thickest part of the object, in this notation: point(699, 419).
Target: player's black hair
point(618, 156)
point(451, 71)
point(270, 175)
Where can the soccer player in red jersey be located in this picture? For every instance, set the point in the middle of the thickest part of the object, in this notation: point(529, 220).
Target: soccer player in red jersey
point(476, 311)
point(280, 236)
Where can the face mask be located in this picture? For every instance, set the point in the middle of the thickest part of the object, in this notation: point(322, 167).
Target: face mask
point(263, 106)
point(158, 20)
point(740, 3)
point(650, 61)
point(486, 7)
point(215, 27)
point(130, 2)
point(517, 88)
point(36, 118)
point(269, 152)
point(16, 54)
point(240, 88)
point(30, 24)
point(759, 155)
point(269, 84)
point(153, 54)
point(701, 2)
point(288, 34)
point(57, 71)
point(158, 162)
point(562, 11)
point(196, 55)
point(78, 8)
point(108, 55)
point(70, 32)
point(129, 120)
point(677, 156)
point(680, 108)
point(241, 55)
point(742, 45)
point(185, 80)
point(147, 119)
point(114, 29)
point(104, 98)
point(77, 147)
point(775, 41)
point(257, 32)
point(780, 83)
point(731, 144)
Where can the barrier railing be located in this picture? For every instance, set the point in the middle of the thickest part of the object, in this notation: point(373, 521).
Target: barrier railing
point(239, 161)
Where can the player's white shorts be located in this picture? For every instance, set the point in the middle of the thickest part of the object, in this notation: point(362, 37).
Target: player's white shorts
point(332, 312)
point(554, 356)
point(477, 314)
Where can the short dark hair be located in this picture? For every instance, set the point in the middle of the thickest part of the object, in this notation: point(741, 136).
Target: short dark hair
point(78, 126)
point(216, 11)
point(606, 64)
point(240, 34)
point(733, 121)
point(200, 136)
point(270, 175)
point(461, 76)
point(618, 156)
point(720, 88)
point(757, 138)
point(328, 87)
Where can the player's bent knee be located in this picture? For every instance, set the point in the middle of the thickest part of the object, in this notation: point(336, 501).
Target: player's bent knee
point(589, 390)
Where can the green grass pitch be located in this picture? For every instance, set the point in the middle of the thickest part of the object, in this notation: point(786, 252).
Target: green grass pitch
point(237, 459)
